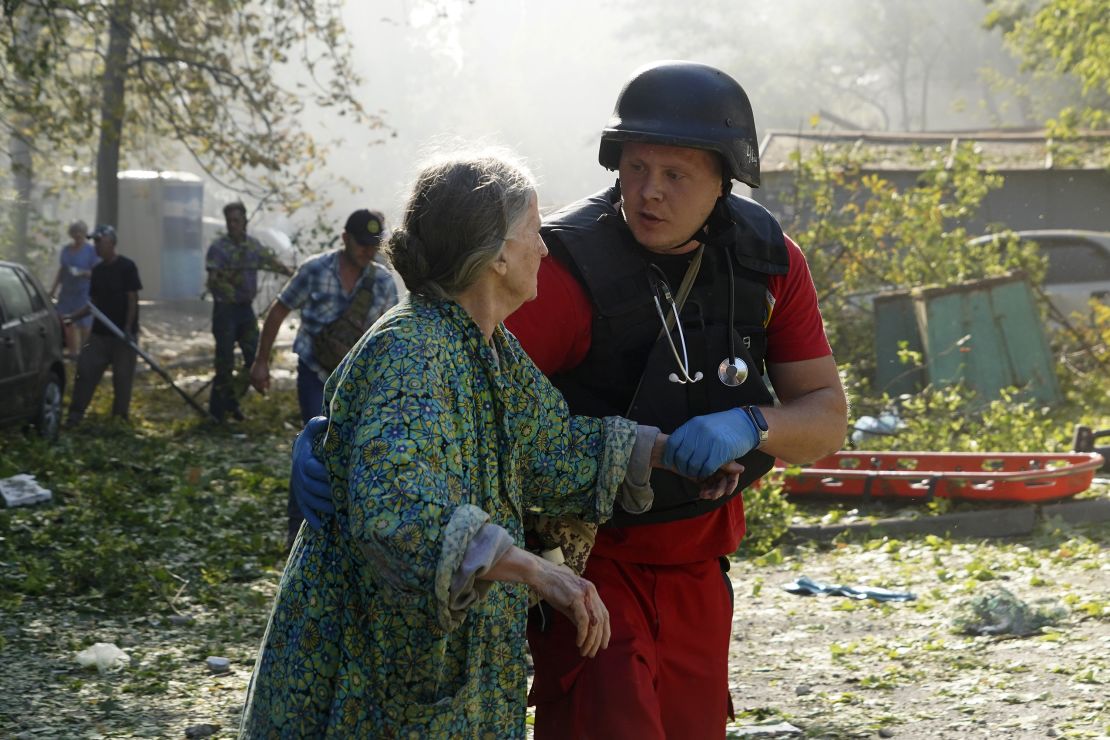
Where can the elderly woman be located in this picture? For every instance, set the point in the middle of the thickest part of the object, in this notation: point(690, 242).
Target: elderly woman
point(405, 614)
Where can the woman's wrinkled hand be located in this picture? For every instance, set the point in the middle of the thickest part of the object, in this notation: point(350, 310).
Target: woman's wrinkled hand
point(721, 483)
point(577, 599)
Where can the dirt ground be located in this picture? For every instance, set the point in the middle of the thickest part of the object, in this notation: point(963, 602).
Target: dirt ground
point(826, 666)
point(843, 668)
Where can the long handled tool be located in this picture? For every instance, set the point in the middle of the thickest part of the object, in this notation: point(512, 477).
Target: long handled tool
point(149, 360)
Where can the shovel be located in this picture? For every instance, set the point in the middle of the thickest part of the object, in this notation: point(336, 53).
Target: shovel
point(149, 360)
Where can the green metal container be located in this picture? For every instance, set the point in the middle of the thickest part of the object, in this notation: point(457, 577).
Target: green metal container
point(987, 334)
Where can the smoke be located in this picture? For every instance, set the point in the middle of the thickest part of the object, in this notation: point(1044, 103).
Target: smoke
point(541, 78)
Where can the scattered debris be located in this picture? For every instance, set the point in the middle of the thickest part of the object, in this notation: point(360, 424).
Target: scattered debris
point(23, 490)
point(198, 731)
point(866, 428)
point(806, 586)
point(180, 620)
point(216, 664)
point(105, 656)
point(1001, 613)
point(779, 729)
point(802, 690)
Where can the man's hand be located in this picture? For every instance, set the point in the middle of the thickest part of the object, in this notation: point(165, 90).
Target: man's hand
point(309, 480)
point(721, 483)
point(260, 376)
point(705, 443)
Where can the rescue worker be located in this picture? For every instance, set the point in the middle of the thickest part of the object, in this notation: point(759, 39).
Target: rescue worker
point(670, 238)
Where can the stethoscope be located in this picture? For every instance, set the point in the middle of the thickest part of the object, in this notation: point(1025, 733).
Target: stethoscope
point(732, 371)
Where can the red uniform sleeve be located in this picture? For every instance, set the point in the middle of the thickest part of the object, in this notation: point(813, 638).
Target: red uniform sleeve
point(554, 329)
point(795, 330)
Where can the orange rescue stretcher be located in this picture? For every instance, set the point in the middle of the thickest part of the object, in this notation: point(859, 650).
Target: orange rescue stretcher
point(990, 476)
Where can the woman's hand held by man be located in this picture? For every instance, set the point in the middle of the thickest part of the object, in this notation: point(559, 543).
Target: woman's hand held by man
point(720, 483)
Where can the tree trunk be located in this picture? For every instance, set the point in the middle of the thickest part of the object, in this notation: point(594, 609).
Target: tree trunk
point(112, 109)
point(22, 174)
point(20, 158)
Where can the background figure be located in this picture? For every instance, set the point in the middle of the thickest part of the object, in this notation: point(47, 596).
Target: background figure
point(233, 262)
point(339, 294)
point(114, 289)
point(77, 258)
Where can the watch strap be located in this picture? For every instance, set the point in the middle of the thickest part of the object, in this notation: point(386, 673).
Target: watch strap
point(759, 421)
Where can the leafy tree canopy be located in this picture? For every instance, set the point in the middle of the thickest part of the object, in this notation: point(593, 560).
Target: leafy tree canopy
point(1062, 37)
point(216, 77)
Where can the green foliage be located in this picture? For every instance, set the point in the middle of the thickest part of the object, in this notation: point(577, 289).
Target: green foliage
point(861, 234)
point(955, 419)
point(146, 520)
point(1084, 346)
point(871, 64)
point(767, 513)
point(1066, 38)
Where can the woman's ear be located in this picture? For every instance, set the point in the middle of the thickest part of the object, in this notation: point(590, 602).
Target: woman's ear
point(500, 265)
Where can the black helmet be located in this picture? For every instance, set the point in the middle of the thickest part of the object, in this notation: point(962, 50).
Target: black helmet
point(685, 104)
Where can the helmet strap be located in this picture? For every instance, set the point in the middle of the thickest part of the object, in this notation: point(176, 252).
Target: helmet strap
point(719, 222)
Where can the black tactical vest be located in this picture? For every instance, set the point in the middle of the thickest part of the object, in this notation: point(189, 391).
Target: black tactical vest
point(628, 351)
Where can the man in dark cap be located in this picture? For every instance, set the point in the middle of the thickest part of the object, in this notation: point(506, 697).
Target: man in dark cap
point(233, 262)
point(339, 294)
point(114, 289)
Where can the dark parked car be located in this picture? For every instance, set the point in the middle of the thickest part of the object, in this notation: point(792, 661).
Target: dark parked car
point(32, 374)
point(1078, 265)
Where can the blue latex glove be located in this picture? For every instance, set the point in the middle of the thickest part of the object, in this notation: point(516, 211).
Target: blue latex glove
point(309, 480)
point(705, 443)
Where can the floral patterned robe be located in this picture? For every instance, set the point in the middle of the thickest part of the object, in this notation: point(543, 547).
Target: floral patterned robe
point(432, 435)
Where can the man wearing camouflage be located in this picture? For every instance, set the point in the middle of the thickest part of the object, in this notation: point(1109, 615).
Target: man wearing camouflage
point(233, 262)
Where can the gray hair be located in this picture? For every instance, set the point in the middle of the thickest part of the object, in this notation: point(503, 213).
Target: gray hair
point(78, 226)
point(456, 221)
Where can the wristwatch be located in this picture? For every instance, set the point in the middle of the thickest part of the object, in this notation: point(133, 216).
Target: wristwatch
point(756, 416)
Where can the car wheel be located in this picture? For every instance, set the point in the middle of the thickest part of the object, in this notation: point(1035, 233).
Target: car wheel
point(49, 419)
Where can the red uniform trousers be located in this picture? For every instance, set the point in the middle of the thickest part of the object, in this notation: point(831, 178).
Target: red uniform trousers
point(665, 672)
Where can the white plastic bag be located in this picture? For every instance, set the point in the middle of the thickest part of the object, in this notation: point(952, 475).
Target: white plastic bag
point(22, 490)
point(105, 656)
